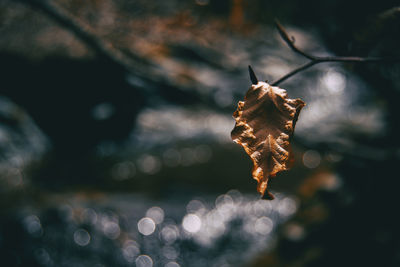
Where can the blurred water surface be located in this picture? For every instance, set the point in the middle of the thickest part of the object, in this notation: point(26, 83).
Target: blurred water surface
point(121, 229)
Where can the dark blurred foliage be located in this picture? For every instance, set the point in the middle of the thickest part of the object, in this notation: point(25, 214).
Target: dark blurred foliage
point(115, 150)
point(71, 90)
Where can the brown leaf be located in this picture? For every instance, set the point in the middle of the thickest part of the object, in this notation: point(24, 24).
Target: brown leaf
point(265, 123)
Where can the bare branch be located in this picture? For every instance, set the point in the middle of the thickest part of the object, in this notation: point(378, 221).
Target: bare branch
point(102, 47)
point(293, 72)
point(290, 41)
point(128, 61)
point(82, 31)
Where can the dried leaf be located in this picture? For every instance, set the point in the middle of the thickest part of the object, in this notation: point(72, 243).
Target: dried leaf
point(265, 123)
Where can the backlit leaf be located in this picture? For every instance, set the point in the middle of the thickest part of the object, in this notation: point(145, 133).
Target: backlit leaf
point(265, 123)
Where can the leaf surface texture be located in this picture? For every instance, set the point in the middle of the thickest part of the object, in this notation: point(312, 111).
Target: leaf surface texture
point(265, 123)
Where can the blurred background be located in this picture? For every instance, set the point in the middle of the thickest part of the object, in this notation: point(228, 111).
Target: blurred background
point(115, 120)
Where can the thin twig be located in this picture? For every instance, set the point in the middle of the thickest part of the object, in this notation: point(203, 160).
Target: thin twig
point(290, 41)
point(293, 72)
